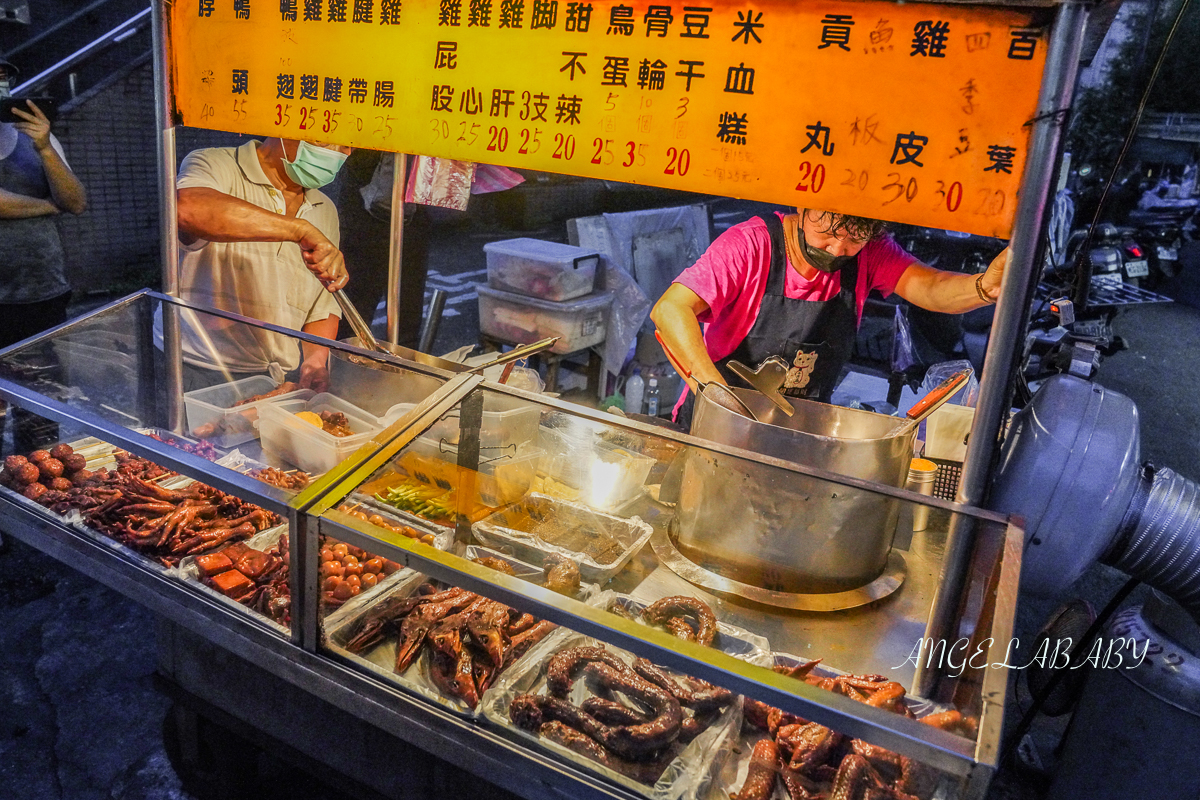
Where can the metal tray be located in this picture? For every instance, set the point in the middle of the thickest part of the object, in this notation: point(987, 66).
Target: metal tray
point(525, 571)
point(380, 660)
point(497, 531)
point(687, 776)
point(732, 775)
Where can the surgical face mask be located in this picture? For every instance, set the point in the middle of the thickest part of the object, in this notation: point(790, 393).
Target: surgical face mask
point(5, 88)
point(314, 166)
point(822, 259)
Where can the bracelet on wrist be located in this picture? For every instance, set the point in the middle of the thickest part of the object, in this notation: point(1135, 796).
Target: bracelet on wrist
point(983, 295)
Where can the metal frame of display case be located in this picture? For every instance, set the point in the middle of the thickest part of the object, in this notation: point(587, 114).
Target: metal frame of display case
point(312, 514)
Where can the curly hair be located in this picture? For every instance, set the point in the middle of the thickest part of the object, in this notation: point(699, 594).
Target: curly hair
point(860, 229)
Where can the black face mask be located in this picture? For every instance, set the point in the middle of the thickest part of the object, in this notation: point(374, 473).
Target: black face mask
point(822, 259)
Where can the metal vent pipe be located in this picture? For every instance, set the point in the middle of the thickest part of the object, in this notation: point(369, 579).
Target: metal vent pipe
point(1071, 467)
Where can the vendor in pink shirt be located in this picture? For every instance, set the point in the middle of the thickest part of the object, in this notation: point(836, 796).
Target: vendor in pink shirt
point(794, 286)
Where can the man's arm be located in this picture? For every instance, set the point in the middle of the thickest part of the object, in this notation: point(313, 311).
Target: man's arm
point(676, 315)
point(217, 217)
point(314, 369)
point(66, 191)
point(19, 206)
point(951, 292)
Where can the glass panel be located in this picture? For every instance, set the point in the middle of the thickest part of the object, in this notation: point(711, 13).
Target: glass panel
point(109, 371)
point(781, 567)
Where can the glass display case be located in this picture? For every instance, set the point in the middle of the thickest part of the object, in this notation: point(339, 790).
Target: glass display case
point(545, 594)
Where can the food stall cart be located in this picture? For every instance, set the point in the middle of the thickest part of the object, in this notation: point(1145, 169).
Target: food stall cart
point(425, 497)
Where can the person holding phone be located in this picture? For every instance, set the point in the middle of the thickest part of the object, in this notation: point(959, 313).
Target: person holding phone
point(36, 185)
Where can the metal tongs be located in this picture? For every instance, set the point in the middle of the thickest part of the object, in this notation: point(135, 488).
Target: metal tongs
point(516, 354)
point(359, 325)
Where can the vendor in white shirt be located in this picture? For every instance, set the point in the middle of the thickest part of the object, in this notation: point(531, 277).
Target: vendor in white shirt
point(260, 240)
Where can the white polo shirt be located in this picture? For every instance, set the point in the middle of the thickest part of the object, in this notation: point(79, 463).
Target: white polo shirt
point(263, 280)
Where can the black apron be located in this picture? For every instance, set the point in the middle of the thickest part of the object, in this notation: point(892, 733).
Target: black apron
point(814, 336)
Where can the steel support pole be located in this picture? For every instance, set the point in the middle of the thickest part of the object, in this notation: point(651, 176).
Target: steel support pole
point(396, 249)
point(168, 230)
point(1009, 324)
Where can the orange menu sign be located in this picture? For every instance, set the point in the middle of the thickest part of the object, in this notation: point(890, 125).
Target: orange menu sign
point(909, 112)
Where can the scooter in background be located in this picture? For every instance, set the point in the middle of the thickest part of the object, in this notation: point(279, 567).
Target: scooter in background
point(1114, 255)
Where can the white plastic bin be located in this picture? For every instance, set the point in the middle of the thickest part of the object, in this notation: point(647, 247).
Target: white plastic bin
point(546, 270)
point(514, 426)
point(286, 436)
point(233, 425)
point(579, 324)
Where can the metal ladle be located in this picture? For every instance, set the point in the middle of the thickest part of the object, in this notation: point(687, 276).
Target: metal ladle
point(719, 393)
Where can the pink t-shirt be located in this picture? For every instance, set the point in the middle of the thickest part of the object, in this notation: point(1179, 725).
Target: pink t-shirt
point(731, 277)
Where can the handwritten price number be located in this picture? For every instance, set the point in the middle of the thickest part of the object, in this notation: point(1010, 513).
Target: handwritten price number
point(678, 162)
point(331, 121)
point(308, 117)
point(855, 180)
point(634, 152)
point(603, 155)
point(499, 139)
point(239, 109)
point(282, 117)
point(906, 190)
point(440, 128)
point(811, 177)
point(206, 111)
point(991, 202)
point(383, 126)
point(464, 132)
point(526, 138)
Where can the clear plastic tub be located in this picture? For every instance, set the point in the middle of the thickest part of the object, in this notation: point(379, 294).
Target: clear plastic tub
point(515, 426)
point(505, 474)
point(546, 270)
point(592, 471)
point(231, 424)
point(579, 324)
point(286, 436)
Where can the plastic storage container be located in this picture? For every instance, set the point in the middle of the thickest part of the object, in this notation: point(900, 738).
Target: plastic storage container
point(579, 324)
point(585, 469)
point(504, 474)
point(232, 425)
point(501, 428)
point(310, 448)
point(546, 270)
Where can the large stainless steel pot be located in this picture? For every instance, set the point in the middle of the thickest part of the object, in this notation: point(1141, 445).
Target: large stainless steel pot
point(375, 387)
point(789, 532)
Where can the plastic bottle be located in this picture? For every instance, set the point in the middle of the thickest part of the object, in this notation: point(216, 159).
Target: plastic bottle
point(634, 389)
point(652, 398)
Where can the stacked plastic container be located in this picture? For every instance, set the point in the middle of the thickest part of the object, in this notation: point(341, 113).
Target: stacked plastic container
point(539, 289)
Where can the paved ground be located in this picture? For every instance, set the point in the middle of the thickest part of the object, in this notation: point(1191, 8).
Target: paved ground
point(80, 718)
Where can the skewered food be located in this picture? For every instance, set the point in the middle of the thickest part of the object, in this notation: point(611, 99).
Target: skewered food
point(205, 450)
point(430, 502)
point(294, 480)
point(124, 505)
point(811, 759)
point(471, 640)
point(379, 521)
point(283, 388)
point(346, 571)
